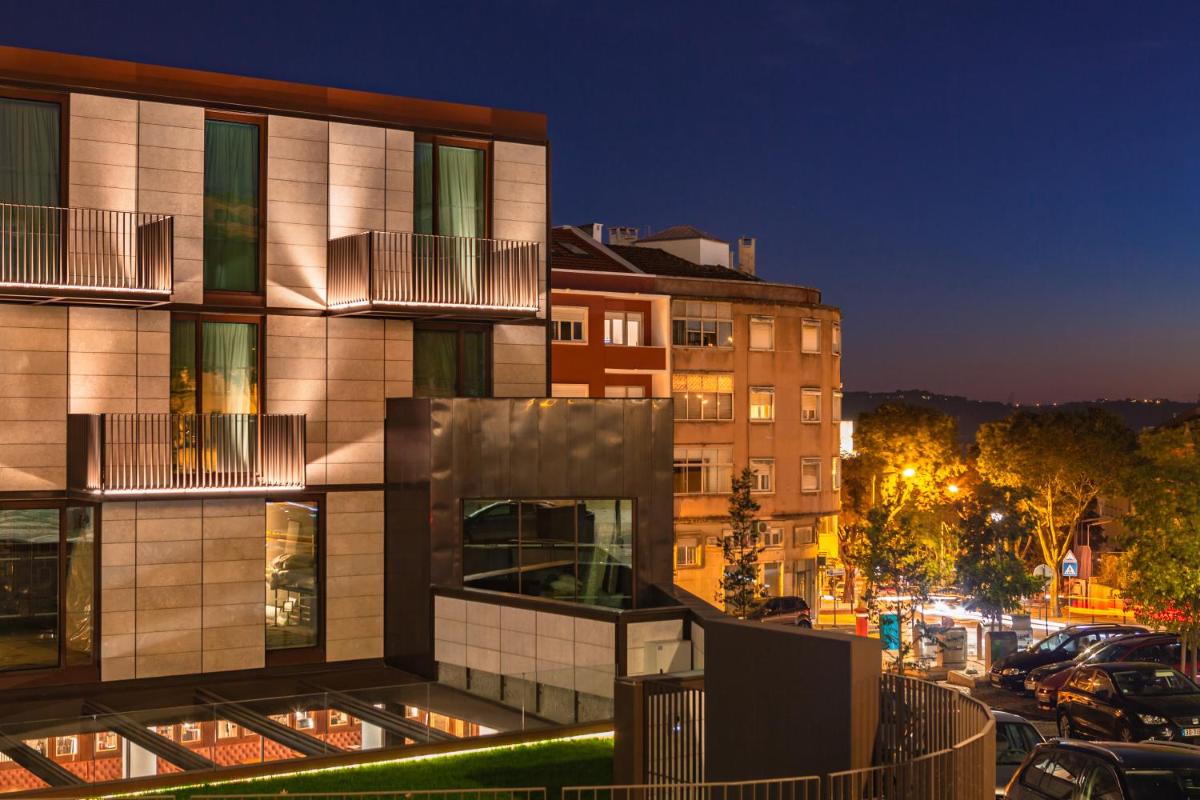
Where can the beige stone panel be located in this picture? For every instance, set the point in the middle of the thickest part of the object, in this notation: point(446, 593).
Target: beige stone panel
point(34, 432)
point(160, 597)
point(169, 180)
point(162, 620)
point(290, 169)
point(519, 373)
point(171, 114)
point(354, 649)
point(357, 348)
point(168, 574)
point(163, 642)
point(22, 316)
point(109, 176)
point(25, 408)
point(103, 197)
point(520, 173)
point(358, 627)
point(298, 128)
point(118, 578)
point(399, 220)
point(352, 472)
point(354, 502)
point(311, 193)
point(520, 153)
point(233, 571)
point(356, 197)
point(521, 212)
point(343, 133)
point(231, 615)
point(33, 339)
point(168, 552)
point(371, 176)
point(356, 409)
point(122, 645)
point(37, 385)
point(116, 669)
point(356, 155)
point(339, 608)
point(103, 130)
point(103, 107)
point(297, 149)
point(172, 136)
point(173, 202)
point(520, 231)
point(300, 213)
point(291, 233)
point(118, 554)
point(355, 452)
point(355, 431)
point(512, 191)
point(170, 160)
point(235, 548)
point(236, 594)
point(171, 664)
point(234, 658)
point(366, 586)
point(115, 153)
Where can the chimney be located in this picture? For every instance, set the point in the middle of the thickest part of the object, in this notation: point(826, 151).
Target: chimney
point(746, 254)
point(622, 234)
point(593, 229)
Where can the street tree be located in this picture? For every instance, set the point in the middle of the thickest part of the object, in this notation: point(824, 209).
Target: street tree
point(1162, 540)
point(989, 568)
point(1060, 461)
point(886, 548)
point(739, 587)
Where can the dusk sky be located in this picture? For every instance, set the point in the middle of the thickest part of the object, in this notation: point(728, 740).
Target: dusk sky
point(1003, 198)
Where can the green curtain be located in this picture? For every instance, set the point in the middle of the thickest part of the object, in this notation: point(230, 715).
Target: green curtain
point(460, 191)
point(474, 364)
point(29, 153)
point(230, 206)
point(423, 188)
point(435, 363)
point(230, 371)
point(183, 366)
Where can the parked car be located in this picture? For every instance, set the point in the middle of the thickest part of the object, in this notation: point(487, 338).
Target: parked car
point(1010, 672)
point(780, 609)
point(1074, 770)
point(1160, 648)
point(1129, 701)
point(1015, 739)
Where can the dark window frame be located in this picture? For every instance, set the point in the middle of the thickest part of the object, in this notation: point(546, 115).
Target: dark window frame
point(198, 318)
point(313, 654)
point(488, 172)
point(62, 673)
point(258, 297)
point(460, 328)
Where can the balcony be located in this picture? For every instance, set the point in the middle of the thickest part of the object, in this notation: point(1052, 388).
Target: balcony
point(136, 454)
point(58, 254)
point(411, 274)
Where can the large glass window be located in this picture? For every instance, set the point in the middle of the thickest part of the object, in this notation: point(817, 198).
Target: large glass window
point(762, 403)
point(699, 324)
point(450, 363)
point(214, 367)
point(623, 328)
point(46, 622)
point(231, 206)
point(571, 550)
point(293, 574)
point(569, 324)
point(762, 333)
point(702, 396)
point(29, 152)
point(450, 190)
point(703, 470)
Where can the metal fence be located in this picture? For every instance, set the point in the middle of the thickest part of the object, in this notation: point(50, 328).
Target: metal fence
point(85, 248)
point(778, 789)
point(433, 794)
point(396, 270)
point(185, 452)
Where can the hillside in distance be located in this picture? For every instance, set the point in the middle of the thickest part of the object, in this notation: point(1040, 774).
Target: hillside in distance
point(1138, 414)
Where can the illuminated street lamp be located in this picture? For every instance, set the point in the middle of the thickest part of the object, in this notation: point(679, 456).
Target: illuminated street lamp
point(952, 488)
point(908, 472)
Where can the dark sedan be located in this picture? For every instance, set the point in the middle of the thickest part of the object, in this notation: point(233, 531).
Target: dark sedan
point(1160, 648)
point(1130, 701)
point(1010, 672)
point(1110, 771)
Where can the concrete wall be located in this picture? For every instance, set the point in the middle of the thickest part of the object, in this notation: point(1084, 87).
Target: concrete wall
point(33, 398)
point(103, 153)
point(170, 160)
point(354, 565)
point(519, 361)
point(355, 411)
point(297, 206)
point(519, 200)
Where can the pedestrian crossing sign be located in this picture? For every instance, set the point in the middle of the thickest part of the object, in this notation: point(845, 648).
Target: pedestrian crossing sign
point(1070, 565)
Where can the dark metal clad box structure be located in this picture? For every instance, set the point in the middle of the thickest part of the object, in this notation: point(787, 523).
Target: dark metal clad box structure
point(441, 451)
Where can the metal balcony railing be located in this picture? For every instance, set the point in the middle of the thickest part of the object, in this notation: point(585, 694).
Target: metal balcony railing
point(132, 453)
point(382, 272)
point(84, 251)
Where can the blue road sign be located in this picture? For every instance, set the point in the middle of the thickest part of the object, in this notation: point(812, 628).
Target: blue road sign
point(1070, 566)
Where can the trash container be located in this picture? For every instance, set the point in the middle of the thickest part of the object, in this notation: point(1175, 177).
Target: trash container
point(926, 638)
point(953, 643)
point(1000, 644)
point(1022, 626)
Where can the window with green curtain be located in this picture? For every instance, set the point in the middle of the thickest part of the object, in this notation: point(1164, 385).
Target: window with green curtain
point(423, 188)
point(435, 363)
point(229, 379)
point(473, 377)
point(231, 210)
point(460, 208)
point(29, 152)
point(183, 366)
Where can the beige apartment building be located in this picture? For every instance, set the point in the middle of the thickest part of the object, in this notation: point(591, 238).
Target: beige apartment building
point(209, 286)
point(754, 369)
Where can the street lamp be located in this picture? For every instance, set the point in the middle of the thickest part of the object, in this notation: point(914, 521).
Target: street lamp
point(908, 472)
point(952, 488)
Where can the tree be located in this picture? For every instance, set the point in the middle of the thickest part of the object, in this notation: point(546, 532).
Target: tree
point(1162, 540)
point(739, 586)
point(1061, 462)
point(989, 567)
point(887, 550)
point(905, 459)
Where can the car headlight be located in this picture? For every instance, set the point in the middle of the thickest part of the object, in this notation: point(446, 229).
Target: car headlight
point(1010, 671)
point(1152, 719)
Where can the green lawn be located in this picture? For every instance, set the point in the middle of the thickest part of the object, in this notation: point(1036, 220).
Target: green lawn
point(582, 762)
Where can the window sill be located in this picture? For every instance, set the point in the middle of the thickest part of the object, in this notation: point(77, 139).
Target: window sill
point(702, 346)
point(731, 419)
point(762, 421)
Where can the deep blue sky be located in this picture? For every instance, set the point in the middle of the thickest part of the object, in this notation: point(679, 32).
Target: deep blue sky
point(1002, 197)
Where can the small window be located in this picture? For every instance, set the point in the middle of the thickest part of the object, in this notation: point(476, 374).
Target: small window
point(803, 534)
point(810, 405)
point(810, 475)
point(227, 729)
point(702, 396)
point(338, 718)
point(66, 746)
point(764, 474)
point(835, 473)
point(624, 391)
point(772, 578)
point(569, 324)
point(703, 470)
point(762, 403)
point(698, 324)
point(623, 328)
point(810, 336)
point(772, 537)
point(189, 732)
point(762, 333)
point(837, 406)
point(688, 553)
point(106, 742)
point(835, 339)
point(304, 720)
point(569, 390)
point(451, 362)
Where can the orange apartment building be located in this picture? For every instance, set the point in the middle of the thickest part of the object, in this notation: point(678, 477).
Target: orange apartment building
point(754, 369)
